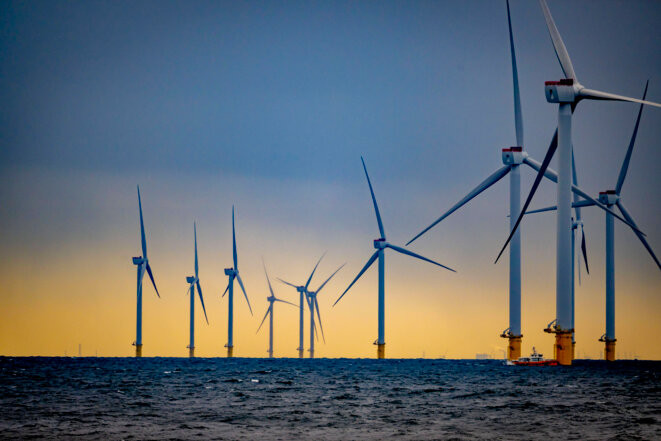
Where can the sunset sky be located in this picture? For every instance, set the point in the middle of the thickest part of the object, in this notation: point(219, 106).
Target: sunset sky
point(269, 106)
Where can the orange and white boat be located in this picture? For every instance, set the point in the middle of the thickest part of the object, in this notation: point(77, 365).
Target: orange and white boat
point(535, 359)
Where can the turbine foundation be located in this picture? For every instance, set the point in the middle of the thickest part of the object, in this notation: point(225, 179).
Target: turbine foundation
point(311, 353)
point(381, 351)
point(138, 350)
point(609, 350)
point(230, 351)
point(514, 347)
point(563, 348)
point(301, 353)
point(191, 352)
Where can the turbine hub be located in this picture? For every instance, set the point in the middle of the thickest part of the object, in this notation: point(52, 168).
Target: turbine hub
point(608, 197)
point(563, 91)
point(514, 155)
point(190, 279)
point(138, 260)
point(379, 244)
point(230, 272)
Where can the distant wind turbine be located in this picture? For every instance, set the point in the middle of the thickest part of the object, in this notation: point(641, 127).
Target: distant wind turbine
point(380, 244)
point(142, 264)
point(567, 93)
point(303, 296)
point(313, 305)
point(193, 282)
point(269, 312)
point(233, 273)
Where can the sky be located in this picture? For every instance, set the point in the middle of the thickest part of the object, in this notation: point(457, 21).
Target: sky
point(268, 106)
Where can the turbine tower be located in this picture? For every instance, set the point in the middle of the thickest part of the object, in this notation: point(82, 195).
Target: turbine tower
point(233, 273)
point(142, 264)
point(194, 281)
point(269, 312)
point(313, 304)
point(380, 244)
point(566, 93)
point(613, 198)
point(303, 293)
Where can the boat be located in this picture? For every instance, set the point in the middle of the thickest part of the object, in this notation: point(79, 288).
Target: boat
point(535, 359)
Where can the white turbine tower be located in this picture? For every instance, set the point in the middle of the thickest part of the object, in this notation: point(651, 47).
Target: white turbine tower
point(269, 312)
point(613, 198)
point(194, 281)
point(303, 293)
point(380, 244)
point(233, 273)
point(142, 264)
point(566, 93)
point(313, 305)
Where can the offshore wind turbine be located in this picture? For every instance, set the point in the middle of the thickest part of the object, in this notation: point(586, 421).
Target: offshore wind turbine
point(613, 198)
point(381, 244)
point(567, 93)
point(513, 158)
point(269, 312)
point(233, 273)
point(142, 264)
point(313, 305)
point(303, 296)
point(194, 281)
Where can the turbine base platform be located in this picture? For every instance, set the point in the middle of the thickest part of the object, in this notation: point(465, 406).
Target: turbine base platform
point(191, 352)
point(609, 349)
point(230, 351)
point(563, 348)
point(301, 353)
point(514, 347)
point(381, 351)
point(138, 350)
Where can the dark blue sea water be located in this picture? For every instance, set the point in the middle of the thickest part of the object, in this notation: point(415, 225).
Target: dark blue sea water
point(174, 398)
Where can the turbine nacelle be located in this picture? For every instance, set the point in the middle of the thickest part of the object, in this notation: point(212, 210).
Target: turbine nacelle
point(300, 288)
point(139, 260)
point(514, 155)
point(230, 272)
point(191, 279)
point(609, 197)
point(563, 91)
point(380, 244)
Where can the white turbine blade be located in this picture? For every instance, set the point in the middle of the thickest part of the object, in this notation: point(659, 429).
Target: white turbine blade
point(228, 287)
point(235, 260)
point(488, 182)
point(376, 207)
point(316, 306)
point(267, 278)
point(584, 251)
point(598, 95)
point(518, 120)
point(578, 263)
point(287, 283)
point(313, 270)
point(238, 277)
point(417, 256)
point(647, 246)
point(367, 265)
point(265, 315)
point(289, 303)
point(627, 158)
point(575, 182)
point(553, 207)
point(199, 290)
point(558, 44)
point(142, 228)
point(151, 276)
point(327, 280)
point(195, 235)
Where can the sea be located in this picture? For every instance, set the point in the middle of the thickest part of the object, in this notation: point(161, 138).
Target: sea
point(326, 399)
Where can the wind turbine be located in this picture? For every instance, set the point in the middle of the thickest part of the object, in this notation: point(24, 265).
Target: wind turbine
point(613, 198)
point(303, 293)
point(233, 273)
point(380, 244)
point(567, 93)
point(194, 281)
point(512, 158)
point(269, 311)
point(142, 264)
point(313, 304)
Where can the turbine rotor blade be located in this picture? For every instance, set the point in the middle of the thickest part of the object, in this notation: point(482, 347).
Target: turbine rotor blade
point(584, 251)
point(647, 246)
point(598, 95)
point(376, 206)
point(518, 120)
point(289, 303)
point(417, 256)
point(558, 44)
point(265, 315)
point(151, 276)
point(553, 207)
point(142, 228)
point(267, 278)
point(236, 263)
point(228, 287)
point(327, 280)
point(313, 270)
point(488, 182)
point(367, 265)
point(199, 290)
point(627, 158)
point(287, 283)
point(316, 306)
point(238, 277)
point(577, 209)
point(195, 235)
